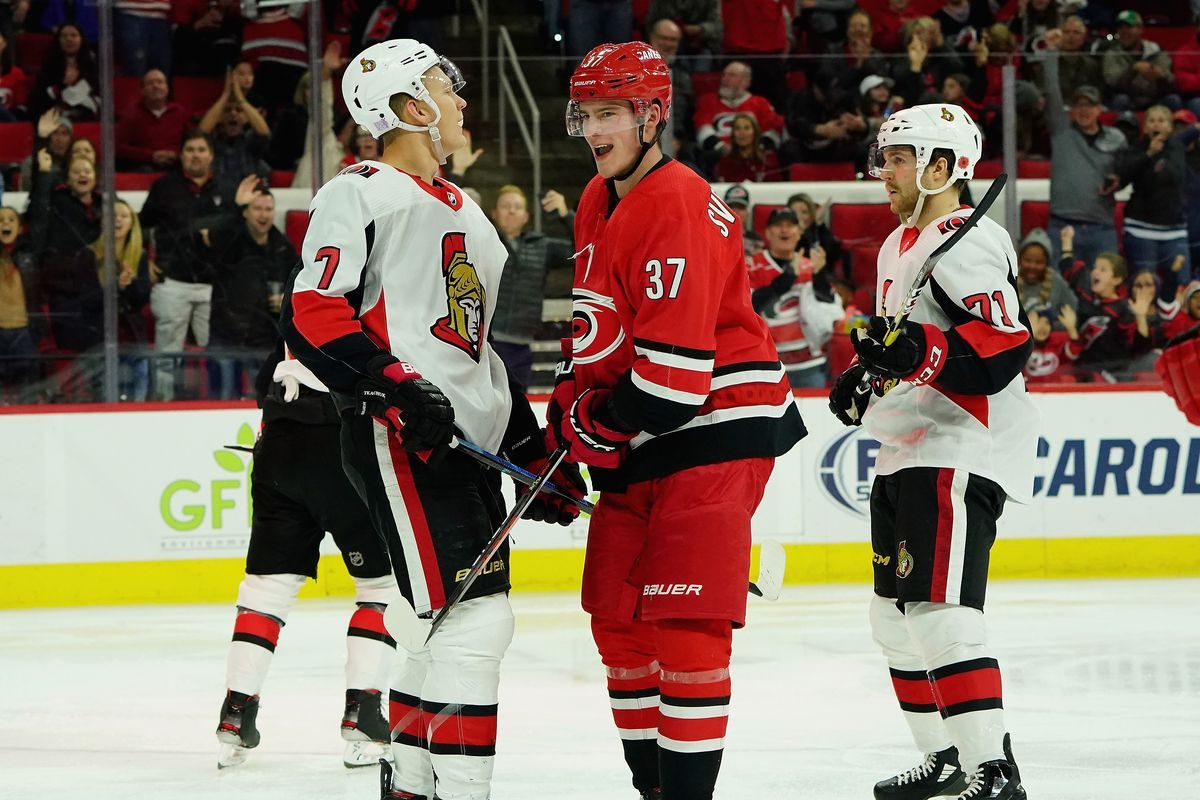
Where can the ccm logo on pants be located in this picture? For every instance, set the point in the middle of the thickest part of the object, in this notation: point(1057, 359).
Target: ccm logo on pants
point(672, 588)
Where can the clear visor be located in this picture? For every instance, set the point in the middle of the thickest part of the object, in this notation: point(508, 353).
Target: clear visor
point(882, 161)
point(453, 76)
point(601, 117)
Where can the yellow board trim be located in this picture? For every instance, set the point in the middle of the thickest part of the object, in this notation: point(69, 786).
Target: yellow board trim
point(215, 580)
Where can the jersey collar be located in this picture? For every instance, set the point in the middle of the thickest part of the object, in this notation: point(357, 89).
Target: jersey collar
point(611, 185)
point(441, 190)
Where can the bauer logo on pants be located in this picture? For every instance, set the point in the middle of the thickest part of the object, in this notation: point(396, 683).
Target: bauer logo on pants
point(672, 588)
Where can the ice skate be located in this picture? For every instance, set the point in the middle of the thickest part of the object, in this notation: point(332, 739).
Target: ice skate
point(386, 792)
point(652, 794)
point(364, 729)
point(996, 780)
point(937, 776)
point(236, 730)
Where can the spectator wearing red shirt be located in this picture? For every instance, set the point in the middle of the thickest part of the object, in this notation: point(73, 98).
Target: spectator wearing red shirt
point(758, 29)
point(276, 43)
point(149, 132)
point(747, 159)
point(715, 111)
point(1048, 362)
point(1187, 312)
point(891, 16)
point(1186, 62)
point(14, 86)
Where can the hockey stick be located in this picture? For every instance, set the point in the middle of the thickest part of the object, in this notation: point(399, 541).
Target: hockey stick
point(772, 560)
point(516, 473)
point(497, 539)
point(926, 271)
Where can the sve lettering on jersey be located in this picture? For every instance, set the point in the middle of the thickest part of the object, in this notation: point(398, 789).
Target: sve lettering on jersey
point(720, 215)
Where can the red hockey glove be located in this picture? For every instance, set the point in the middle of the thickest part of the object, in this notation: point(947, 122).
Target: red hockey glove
point(416, 409)
point(1179, 368)
point(917, 355)
point(563, 396)
point(593, 440)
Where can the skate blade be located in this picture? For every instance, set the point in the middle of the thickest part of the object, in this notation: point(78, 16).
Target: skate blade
point(232, 755)
point(365, 754)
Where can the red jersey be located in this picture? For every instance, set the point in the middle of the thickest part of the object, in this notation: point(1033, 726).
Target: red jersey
point(1048, 363)
point(662, 316)
point(715, 118)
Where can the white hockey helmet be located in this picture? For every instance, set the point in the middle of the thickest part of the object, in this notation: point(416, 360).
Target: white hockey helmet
point(925, 129)
point(397, 66)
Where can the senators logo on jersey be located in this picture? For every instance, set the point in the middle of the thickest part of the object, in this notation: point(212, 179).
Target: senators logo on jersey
point(462, 327)
point(595, 328)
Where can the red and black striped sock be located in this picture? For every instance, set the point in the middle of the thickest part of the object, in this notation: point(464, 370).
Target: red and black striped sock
point(255, 636)
point(369, 648)
point(460, 729)
point(633, 695)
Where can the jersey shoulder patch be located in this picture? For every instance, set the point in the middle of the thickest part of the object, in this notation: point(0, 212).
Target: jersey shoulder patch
point(362, 170)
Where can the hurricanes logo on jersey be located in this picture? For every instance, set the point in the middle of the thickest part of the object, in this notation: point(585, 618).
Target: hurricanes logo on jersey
point(462, 327)
point(595, 328)
point(904, 563)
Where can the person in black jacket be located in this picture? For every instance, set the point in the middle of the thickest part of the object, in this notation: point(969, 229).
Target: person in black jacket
point(253, 260)
point(1156, 217)
point(179, 207)
point(538, 266)
point(64, 220)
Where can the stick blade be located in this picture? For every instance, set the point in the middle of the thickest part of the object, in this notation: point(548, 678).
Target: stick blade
point(405, 626)
point(772, 562)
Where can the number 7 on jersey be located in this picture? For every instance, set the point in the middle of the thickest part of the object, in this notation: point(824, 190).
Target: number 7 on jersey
point(654, 274)
point(331, 256)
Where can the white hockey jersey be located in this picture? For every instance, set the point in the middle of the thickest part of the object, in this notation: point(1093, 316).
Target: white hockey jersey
point(976, 414)
point(393, 264)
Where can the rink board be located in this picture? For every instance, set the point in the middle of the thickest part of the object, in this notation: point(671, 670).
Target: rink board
point(128, 505)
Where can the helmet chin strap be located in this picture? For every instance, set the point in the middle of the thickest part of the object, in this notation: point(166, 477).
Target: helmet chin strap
point(435, 135)
point(637, 162)
point(922, 194)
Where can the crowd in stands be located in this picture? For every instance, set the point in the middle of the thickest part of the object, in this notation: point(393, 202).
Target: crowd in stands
point(212, 113)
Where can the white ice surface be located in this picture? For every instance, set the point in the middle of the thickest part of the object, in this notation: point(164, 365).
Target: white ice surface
point(1101, 679)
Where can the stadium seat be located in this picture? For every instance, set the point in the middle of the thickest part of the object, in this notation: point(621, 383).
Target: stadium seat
point(861, 223)
point(197, 94)
point(864, 259)
point(1171, 38)
point(126, 91)
point(761, 212)
point(864, 299)
point(1033, 168)
point(1119, 219)
point(987, 170)
point(836, 171)
point(282, 178)
point(135, 181)
point(89, 131)
point(31, 50)
point(16, 142)
point(296, 225)
point(705, 82)
point(1034, 214)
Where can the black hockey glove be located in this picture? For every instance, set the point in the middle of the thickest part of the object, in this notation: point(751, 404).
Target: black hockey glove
point(530, 453)
point(847, 400)
point(917, 354)
point(416, 409)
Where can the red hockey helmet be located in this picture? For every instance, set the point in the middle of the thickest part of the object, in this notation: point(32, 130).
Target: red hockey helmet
point(633, 71)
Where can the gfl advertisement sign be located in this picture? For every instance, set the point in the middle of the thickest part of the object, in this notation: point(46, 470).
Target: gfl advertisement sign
point(1124, 463)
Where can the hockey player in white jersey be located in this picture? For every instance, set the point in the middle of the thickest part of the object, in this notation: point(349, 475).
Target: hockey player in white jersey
point(391, 308)
point(957, 436)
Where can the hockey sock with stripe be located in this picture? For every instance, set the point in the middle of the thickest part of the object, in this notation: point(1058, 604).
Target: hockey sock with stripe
point(966, 679)
point(369, 648)
point(627, 650)
point(255, 636)
point(693, 704)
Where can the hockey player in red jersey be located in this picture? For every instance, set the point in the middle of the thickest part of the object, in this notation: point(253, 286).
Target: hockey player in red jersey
point(957, 435)
point(672, 392)
point(391, 308)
